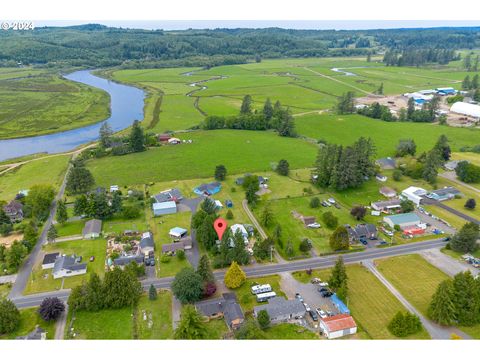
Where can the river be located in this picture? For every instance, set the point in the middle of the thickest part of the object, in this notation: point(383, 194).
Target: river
point(126, 105)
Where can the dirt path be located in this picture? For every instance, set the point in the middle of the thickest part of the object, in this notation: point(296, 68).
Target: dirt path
point(61, 324)
point(339, 81)
point(318, 112)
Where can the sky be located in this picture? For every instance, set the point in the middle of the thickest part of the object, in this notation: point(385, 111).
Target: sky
point(287, 24)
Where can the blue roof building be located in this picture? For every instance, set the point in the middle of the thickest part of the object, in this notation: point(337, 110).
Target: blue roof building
point(208, 189)
point(341, 307)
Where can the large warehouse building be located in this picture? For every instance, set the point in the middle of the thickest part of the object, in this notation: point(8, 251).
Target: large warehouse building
point(466, 109)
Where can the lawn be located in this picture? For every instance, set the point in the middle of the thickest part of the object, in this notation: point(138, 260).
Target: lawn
point(70, 228)
point(245, 297)
point(239, 150)
point(414, 277)
point(290, 332)
point(154, 318)
point(29, 318)
point(42, 280)
point(216, 329)
point(109, 324)
point(49, 170)
point(5, 290)
point(45, 103)
point(346, 129)
point(370, 303)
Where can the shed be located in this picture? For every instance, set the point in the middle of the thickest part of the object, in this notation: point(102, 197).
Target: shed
point(177, 232)
point(337, 326)
point(386, 163)
point(387, 192)
point(164, 208)
point(92, 229)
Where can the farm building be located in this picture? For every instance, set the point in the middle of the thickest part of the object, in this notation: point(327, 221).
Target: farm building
point(337, 326)
point(122, 261)
point(414, 194)
point(446, 91)
point(164, 208)
point(406, 220)
point(66, 266)
point(466, 109)
point(49, 260)
point(226, 307)
point(386, 205)
point(281, 310)
point(14, 210)
point(164, 137)
point(208, 189)
point(387, 163)
point(387, 192)
point(177, 233)
point(146, 244)
point(362, 232)
point(168, 195)
point(92, 229)
point(446, 193)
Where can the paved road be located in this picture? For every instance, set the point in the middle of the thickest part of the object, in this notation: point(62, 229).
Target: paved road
point(193, 255)
point(460, 214)
point(264, 270)
point(436, 331)
point(452, 176)
point(27, 267)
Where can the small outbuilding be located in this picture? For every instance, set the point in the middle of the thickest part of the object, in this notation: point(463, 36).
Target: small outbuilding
point(388, 205)
point(49, 260)
point(387, 163)
point(387, 192)
point(177, 233)
point(92, 229)
point(338, 326)
point(164, 208)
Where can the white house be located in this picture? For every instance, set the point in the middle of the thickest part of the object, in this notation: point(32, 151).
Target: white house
point(66, 266)
point(337, 326)
point(164, 208)
point(414, 194)
point(243, 231)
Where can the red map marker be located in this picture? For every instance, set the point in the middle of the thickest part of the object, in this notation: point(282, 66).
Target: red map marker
point(220, 225)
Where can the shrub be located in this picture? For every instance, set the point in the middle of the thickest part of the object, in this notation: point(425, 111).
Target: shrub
point(330, 220)
point(263, 319)
point(181, 255)
point(229, 214)
point(397, 175)
point(404, 324)
point(165, 258)
point(315, 202)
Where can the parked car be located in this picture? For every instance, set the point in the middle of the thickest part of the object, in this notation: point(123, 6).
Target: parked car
point(322, 289)
point(364, 242)
point(299, 297)
point(327, 294)
point(322, 313)
point(307, 308)
point(383, 242)
point(446, 239)
point(315, 225)
point(331, 201)
point(315, 281)
point(326, 204)
point(313, 315)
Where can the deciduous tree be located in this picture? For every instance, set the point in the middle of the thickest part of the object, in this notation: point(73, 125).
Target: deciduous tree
point(234, 277)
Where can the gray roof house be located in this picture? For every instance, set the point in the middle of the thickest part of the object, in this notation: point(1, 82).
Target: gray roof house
point(92, 229)
point(66, 266)
point(386, 163)
point(226, 307)
point(125, 260)
point(49, 260)
point(168, 195)
point(281, 310)
point(184, 244)
point(362, 231)
point(146, 243)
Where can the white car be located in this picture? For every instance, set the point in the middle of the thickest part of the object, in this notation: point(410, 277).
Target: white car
point(322, 313)
point(323, 284)
point(331, 201)
point(314, 225)
point(307, 308)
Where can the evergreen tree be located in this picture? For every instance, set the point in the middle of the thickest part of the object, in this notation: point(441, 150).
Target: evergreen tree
point(475, 82)
point(106, 133)
point(465, 240)
point(406, 147)
point(442, 309)
point(476, 95)
point(9, 316)
point(410, 109)
point(466, 299)
point(380, 89)
point(152, 293)
point(94, 293)
point(191, 325)
point(234, 277)
point(267, 218)
point(314, 202)
point(204, 270)
point(268, 110)
point(246, 108)
point(443, 147)
point(208, 206)
point(346, 104)
point(338, 278)
point(283, 167)
point(61, 214)
point(117, 201)
point(432, 163)
point(466, 83)
point(263, 319)
point(470, 204)
point(137, 138)
point(220, 172)
point(286, 124)
point(52, 233)
point(251, 195)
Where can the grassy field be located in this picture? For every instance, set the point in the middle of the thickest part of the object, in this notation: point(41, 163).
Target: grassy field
point(240, 151)
point(34, 102)
point(290, 332)
point(346, 129)
point(109, 324)
point(42, 280)
point(370, 303)
point(70, 228)
point(154, 318)
point(44, 171)
point(29, 318)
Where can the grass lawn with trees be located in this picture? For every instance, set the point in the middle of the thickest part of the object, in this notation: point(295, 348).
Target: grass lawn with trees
point(108, 324)
point(159, 312)
point(370, 303)
point(70, 228)
point(29, 319)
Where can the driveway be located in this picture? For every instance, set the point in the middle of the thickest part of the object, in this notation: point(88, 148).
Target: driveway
point(453, 211)
point(452, 176)
point(6, 279)
point(193, 255)
point(446, 263)
point(435, 223)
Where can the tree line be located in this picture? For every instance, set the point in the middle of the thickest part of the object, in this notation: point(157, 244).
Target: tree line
point(418, 57)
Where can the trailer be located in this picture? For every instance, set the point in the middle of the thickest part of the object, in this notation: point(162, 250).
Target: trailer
point(266, 296)
point(260, 289)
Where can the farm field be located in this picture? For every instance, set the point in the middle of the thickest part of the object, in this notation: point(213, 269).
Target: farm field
point(239, 150)
point(32, 173)
point(35, 102)
point(370, 303)
point(29, 318)
point(346, 129)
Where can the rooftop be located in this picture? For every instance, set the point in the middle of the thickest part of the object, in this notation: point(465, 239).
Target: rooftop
point(164, 205)
point(168, 195)
point(50, 258)
point(279, 306)
point(339, 322)
point(403, 218)
point(68, 263)
point(92, 226)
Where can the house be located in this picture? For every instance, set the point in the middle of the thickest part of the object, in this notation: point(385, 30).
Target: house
point(208, 189)
point(381, 177)
point(122, 261)
point(308, 220)
point(406, 220)
point(114, 188)
point(66, 266)
point(177, 233)
point(168, 195)
point(164, 137)
point(184, 244)
point(387, 192)
point(49, 260)
point(386, 205)
point(337, 326)
point(451, 165)
point(14, 210)
point(447, 193)
point(466, 109)
point(146, 244)
point(164, 208)
point(226, 307)
point(261, 180)
point(362, 232)
point(387, 163)
point(92, 229)
point(37, 334)
point(414, 194)
point(240, 228)
point(281, 310)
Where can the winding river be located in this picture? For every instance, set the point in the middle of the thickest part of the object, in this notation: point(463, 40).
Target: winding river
point(126, 105)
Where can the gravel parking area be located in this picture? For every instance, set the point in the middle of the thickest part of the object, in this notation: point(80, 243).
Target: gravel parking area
point(434, 223)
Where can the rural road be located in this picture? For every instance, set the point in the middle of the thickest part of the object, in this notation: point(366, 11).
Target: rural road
point(450, 175)
point(453, 211)
point(436, 331)
point(264, 270)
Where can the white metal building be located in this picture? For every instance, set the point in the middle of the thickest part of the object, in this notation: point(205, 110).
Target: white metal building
point(414, 194)
point(466, 109)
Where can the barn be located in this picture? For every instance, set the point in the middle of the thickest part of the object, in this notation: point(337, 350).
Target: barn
point(466, 109)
